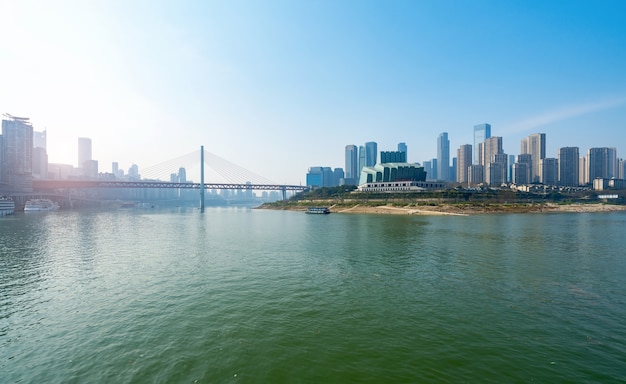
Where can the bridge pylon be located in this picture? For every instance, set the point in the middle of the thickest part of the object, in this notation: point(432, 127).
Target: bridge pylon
point(202, 178)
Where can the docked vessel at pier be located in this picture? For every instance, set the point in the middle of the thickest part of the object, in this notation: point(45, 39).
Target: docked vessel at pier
point(40, 205)
point(7, 206)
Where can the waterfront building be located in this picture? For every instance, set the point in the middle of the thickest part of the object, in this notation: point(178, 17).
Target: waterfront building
point(403, 148)
point(568, 166)
point(392, 157)
point(509, 176)
point(401, 186)
point(16, 154)
point(481, 133)
point(535, 145)
point(464, 160)
point(602, 163)
point(315, 177)
point(392, 172)
point(549, 171)
point(443, 157)
point(352, 162)
point(371, 153)
point(621, 169)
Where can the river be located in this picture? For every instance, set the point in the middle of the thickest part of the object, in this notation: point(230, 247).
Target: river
point(237, 295)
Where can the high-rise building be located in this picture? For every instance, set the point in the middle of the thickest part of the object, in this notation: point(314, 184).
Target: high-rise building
point(535, 145)
point(481, 133)
point(601, 163)
point(403, 148)
point(493, 154)
point(16, 154)
point(475, 174)
point(568, 166)
point(549, 171)
point(464, 160)
point(315, 177)
point(84, 151)
point(352, 163)
point(621, 165)
point(452, 172)
point(523, 169)
point(583, 171)
point(362, 157)
point(443, 157)
point(428, 169)
point(40, 140)
point(371, 153)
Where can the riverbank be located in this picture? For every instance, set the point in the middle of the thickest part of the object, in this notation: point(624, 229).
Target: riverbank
point(455, 209)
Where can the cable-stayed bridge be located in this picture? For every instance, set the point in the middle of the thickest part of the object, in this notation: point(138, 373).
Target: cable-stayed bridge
point(220, 173)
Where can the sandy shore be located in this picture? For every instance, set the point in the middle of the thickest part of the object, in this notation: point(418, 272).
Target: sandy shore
point(465, 210)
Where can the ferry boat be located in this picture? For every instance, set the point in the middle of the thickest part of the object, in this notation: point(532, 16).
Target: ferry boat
point(318, 210)
point(40, 205)
point(7, 206)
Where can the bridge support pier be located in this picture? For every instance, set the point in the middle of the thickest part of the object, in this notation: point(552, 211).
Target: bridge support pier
point(202, 178)
point(284, 193)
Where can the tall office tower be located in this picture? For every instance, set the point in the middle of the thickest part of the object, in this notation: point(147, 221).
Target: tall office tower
point(338, 175)
point(434, 169)
point(315, 177)
point(443, 157)
point(583, 171)
point(621, 169)
point(481, 133)
point(491, 147)
point(568, 166)
point(524, 169)
point(509, 176)
point(452, 172)
point(362, 158)
point(115, 168)
point(464, 160)
point(535, 145)
point(182, 175)
point(403, 148)
point(16, 162)
point(549, 171)
point(601, 163)
point(475, 174)
point(496, 174)
point(371, 153)
point(84, 151)
point(613, 171)
point(352, 163)
point(495, 171)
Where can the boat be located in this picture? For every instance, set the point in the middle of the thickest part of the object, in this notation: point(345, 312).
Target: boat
point(7, 206)
point(40, 205)
point(318, 210)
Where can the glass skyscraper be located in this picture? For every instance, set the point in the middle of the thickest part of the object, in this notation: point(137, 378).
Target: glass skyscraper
point(443, 157)
point(481, 133)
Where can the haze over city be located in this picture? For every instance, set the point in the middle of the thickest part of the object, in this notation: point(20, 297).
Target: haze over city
point(277, 87)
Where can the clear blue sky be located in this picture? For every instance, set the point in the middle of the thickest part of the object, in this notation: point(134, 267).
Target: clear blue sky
point(279, 86)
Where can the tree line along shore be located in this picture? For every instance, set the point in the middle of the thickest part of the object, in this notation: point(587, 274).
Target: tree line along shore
point(450, 202)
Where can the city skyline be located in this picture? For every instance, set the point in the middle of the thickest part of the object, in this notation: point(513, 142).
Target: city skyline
point(258, 83)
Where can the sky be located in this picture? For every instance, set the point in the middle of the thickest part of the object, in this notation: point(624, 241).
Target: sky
point(277, 87)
